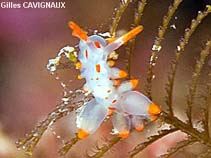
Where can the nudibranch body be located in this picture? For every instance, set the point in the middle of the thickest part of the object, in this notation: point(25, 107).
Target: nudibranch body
point(128, 108)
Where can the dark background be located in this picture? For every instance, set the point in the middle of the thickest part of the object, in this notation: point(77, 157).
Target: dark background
point(30, 37)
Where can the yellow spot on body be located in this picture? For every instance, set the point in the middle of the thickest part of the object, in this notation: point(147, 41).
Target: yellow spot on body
point(124, 134)
point(154, 109)
point(78, 65)
point(111, 39)
point(111, 63)
point(82, 134)
point(122, 74)
point(72, 57)
point(79, 77)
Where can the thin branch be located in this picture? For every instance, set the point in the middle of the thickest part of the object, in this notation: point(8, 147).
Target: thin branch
point(179, 52)
point(150, 140)
point(102, 150)
point(195, 77)
point(206, 154)
point(179, 125)
point(30, 141)
point(179, 146)
point(123, 6)
point(207, 110)
point(157, 46)
point(131, 43)
point(184, 127)
point(68, 145)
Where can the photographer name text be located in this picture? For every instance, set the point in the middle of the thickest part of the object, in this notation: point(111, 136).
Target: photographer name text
point(33, 5)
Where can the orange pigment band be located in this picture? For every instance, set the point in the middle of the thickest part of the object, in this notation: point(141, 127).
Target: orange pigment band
point(154, 109)
point(77, 31)
point(134, 83)
point(132, 33)
point(124, 134)
point(97, 67)
point(122, 74)
point(82, 134)
point(139, 128)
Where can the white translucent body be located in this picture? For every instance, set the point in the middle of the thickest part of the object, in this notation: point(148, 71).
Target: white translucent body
point(91, 116)
point(134, 103)
point(131, 107)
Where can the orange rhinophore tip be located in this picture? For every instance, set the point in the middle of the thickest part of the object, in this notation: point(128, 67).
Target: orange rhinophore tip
point(134, 83)
point(78, 65)
point(139, 128)
point(82, 134)
point(154, 109)
point(122, 74)
point(124, 134)
point(111, 63)
point(132, 33)
point(77, 31)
